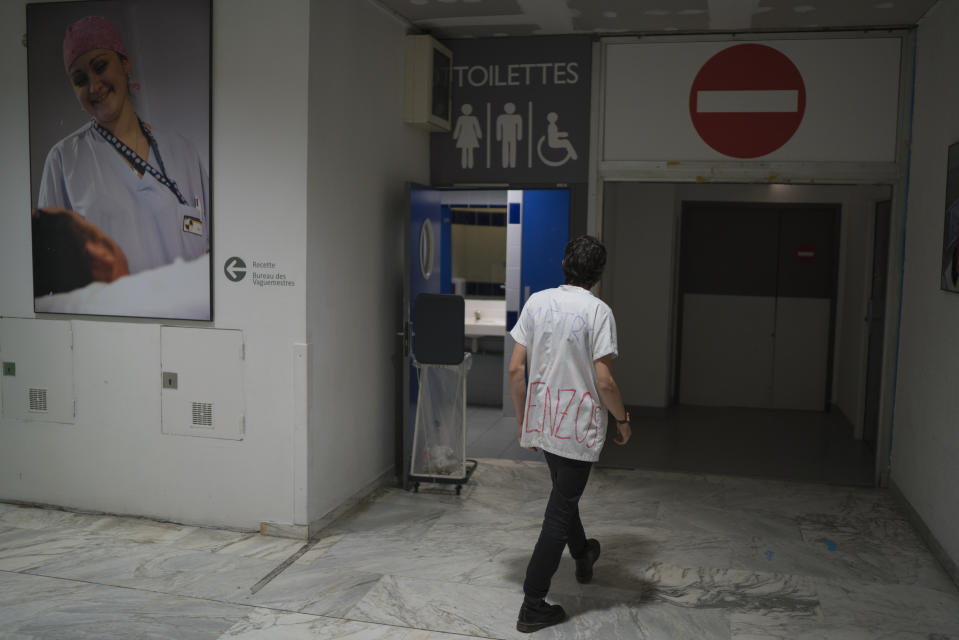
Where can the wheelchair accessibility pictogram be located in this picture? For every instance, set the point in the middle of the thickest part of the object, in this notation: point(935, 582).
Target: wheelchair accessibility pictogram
point(555, 140)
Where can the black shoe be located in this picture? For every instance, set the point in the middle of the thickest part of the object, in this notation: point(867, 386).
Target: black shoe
point(584, 565)
point(537, 614)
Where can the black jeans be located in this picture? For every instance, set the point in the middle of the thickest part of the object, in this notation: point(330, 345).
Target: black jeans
point(561, 524)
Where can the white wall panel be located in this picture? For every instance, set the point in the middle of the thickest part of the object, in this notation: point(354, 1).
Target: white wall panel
point(41, 354)
point(207, 398)
point(801, 353)
point(727, 350)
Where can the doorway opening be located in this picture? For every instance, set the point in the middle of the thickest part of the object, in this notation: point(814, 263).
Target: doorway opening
point(495, 247)
point(740, 311)
point(478, 261)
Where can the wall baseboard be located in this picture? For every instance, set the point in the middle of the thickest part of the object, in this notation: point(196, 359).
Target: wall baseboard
point(927, 536)
point(283, 530)
point(116, 514)
point(308, 532)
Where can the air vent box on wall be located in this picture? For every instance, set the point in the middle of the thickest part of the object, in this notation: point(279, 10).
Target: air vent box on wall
point(206, 399)
point(428, 82)
point(38, 380)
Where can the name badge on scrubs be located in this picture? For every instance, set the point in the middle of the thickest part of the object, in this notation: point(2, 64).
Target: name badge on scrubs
point(193, 225)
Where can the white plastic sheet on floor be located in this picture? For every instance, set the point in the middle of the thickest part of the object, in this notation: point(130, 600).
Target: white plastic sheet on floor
point(439, 436)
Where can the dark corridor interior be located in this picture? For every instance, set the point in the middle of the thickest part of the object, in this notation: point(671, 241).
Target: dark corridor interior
point(797, 446)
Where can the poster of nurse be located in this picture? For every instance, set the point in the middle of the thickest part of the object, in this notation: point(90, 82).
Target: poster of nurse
point(119, 95)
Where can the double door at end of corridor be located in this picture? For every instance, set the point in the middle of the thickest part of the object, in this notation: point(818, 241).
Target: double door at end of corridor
point(757, 305)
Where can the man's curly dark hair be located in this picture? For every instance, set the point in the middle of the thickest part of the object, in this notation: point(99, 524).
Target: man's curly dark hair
point(583, 262)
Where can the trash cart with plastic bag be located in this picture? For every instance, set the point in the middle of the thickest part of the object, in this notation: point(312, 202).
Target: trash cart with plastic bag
point(439, 432)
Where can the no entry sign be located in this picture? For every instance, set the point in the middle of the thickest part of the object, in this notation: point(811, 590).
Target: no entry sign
point(747, 100)
point(806, 253)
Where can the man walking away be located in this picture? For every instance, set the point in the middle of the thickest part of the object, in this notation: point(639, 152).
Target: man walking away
point(567, 338)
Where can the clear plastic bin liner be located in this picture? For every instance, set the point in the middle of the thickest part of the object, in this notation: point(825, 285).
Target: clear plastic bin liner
point(439, 438)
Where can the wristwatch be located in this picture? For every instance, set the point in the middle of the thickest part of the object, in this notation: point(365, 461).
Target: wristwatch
point(618, 421)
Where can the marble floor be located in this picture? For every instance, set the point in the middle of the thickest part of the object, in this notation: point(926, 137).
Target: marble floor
point(684, 556)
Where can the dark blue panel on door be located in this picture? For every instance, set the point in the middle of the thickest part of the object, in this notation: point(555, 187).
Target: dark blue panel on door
point(426, 258)
point(545, 234)
point(446, 281)
point(426, 242)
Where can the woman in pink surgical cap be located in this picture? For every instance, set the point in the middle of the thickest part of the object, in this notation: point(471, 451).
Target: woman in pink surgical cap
point(135, 197)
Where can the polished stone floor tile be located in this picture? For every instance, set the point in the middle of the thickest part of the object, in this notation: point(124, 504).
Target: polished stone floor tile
point(28, 518)
point(159, 568)
point(262, 548)
point(313, 589)
point(693, 555)
point(133, 529)
point(266, 624)
point(894, 607)
point(770, 626)
point(38, 608)
point(205, 539)
point(490, 612)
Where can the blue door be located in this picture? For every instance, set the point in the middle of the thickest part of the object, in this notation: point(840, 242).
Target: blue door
point(427, 271)
point(545, 234)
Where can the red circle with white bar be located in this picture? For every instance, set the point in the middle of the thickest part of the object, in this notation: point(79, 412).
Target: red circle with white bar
point(747, 100)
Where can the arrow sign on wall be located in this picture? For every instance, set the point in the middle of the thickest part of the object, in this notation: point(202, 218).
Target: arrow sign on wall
point(235, 269)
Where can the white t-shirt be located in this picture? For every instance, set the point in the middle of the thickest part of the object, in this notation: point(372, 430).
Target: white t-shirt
point(565, 330)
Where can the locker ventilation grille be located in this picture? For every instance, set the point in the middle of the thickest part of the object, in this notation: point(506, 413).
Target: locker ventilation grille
point(202, 414)
point(38, 400)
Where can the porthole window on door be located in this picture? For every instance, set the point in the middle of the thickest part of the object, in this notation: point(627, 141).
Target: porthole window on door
point(426, 249)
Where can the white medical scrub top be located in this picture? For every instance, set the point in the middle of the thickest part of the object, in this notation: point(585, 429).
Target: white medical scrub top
point(85, 173)
point(565, 330)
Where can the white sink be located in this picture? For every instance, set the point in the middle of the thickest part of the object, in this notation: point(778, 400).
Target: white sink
point(485, 327)
point(484, 318)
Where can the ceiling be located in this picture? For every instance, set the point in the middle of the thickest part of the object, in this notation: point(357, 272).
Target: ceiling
point(482, 18)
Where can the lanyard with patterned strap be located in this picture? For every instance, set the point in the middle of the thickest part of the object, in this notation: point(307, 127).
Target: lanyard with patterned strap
point(141, 164)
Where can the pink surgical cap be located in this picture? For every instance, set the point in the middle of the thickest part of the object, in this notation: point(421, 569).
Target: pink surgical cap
point(87, 34)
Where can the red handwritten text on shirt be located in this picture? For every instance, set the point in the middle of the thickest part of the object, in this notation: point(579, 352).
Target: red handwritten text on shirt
point(553, 415)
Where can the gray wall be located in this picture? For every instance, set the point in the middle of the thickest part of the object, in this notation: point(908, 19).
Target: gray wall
point(925, 444)
point(640, 223)
point(361, 156)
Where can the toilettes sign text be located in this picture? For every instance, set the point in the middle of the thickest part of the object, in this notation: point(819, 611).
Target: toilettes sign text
point(517, 75)
point(520, 112)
